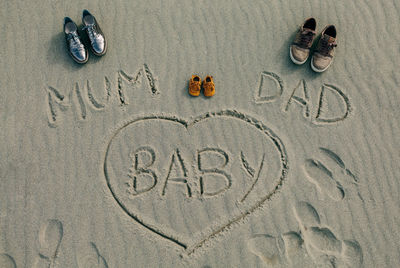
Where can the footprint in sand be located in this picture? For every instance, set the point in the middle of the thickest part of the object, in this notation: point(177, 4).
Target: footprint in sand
point(322, 244)
point(92, 258)
point(329, 174)
point(285, 250)
point(313, 245)
point(50, 236)
point(6, 261)
point(266, 247)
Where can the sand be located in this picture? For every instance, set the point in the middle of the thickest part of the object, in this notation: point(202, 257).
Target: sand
point(113, 164)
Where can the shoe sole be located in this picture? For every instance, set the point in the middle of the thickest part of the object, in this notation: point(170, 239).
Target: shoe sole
point(294, 60)
point(315, 69)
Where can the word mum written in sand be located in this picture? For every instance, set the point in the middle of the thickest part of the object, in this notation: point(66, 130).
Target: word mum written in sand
point(81, 97)
point(333, 104)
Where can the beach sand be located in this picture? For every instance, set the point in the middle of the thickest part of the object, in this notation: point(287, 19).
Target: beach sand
point(113, 164)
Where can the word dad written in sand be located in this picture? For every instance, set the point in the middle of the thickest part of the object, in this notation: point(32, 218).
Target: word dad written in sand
point(79, 98)
point(333, 105)
point(185, 184)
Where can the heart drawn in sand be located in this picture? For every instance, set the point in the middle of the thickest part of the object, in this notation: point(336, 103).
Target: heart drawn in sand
point(190, 181)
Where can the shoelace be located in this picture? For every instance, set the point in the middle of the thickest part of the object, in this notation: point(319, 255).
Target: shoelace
point(326, 46)
point(76, 43)
point(93, 35)
point(306, 37)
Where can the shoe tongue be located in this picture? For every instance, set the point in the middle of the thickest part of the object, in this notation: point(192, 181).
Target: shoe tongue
point(328, 38)
point(90, 24)
point(306, 31)
point(70, 27)
point(89, 20)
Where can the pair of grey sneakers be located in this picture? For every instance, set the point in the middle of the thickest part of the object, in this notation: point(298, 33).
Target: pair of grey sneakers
point(324, 50)
point(76, 46)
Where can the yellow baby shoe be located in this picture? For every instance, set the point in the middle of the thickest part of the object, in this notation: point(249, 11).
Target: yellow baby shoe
point(195, 85)
point(208, 86)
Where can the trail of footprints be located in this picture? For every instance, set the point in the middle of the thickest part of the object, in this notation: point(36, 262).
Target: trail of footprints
point(329, 174)
point(50, 236)
point(312, 245)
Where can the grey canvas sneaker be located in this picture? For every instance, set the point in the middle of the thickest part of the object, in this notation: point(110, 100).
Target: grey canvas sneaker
point(74, 43)
point(300, 48)
point(97, 40)
point(323, 54)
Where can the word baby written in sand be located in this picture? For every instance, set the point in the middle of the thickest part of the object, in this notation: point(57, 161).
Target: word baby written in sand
point(214, 177)
point(163, 163)
point(81, 97)
point(333, 105)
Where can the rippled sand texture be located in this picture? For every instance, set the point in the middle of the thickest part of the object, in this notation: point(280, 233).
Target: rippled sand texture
point(113, 164)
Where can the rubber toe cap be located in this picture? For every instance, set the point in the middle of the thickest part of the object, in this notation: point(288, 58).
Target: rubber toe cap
point(299, 55)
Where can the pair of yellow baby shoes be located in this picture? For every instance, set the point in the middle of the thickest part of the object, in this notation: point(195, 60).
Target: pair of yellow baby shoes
point(195, 86)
